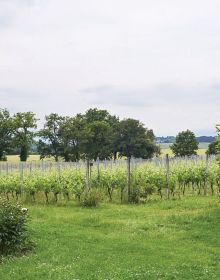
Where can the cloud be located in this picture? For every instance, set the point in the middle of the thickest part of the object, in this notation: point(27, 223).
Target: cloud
point(107, 95)
point(158, 61)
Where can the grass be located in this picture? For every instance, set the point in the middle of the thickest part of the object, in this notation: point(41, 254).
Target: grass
point(165, 149)
point(176, 239)
point(15, 158)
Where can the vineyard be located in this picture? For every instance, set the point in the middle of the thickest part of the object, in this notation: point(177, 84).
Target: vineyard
point(52, 182)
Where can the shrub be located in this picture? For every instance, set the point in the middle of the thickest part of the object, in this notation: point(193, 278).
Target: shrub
point(91, 199)
point(13, 231)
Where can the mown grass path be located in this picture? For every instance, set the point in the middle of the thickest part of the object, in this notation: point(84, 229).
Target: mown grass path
point(176, 239)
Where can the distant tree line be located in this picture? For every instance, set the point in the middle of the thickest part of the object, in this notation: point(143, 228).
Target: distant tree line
point(171, 139)
point(95, 134)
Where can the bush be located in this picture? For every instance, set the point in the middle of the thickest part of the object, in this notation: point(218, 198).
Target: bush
point(13, 231)
point(91, 199)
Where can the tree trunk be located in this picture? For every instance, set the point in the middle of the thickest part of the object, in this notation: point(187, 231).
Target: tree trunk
point(24, 153)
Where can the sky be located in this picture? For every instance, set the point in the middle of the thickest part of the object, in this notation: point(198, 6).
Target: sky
point(153, 60)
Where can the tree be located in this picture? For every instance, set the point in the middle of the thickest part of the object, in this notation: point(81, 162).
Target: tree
point(95, 140)
point(185, 144)
point(151, 148)
point(213, 148)
point(135, 141)
point(6, 133)
point(23, 126)
point(98, 135)
point(50, 143)
point(217, 140)
point(70, 136)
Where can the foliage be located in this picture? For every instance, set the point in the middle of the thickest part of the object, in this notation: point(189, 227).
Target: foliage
point(24, 124)
point(213, 148)
point(92, 135)
point(91, 199)
point(147, 179)
point(49, 144)
point(6, 133)
point(13, 219)
point(135, 139)
point(185, 144)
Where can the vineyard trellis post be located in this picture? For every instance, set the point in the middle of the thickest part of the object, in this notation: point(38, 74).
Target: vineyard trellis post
point(87, 175)
point(98, 168)
point(30, 168)
point(168, 175)
point(90, 175)
point(58, 169)
point(129, 177)
point(206, 174)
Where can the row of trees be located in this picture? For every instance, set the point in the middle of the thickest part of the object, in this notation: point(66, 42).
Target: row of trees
point(95, 134)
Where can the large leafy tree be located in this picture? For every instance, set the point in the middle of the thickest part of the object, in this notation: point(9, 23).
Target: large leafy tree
point(50, 144)
point(217, 140)
point(97, 134)
point(95, 137)
point(6, 133)
point(135, 141)
point(24, 125)
point(185, 144)
point(70, 136)
point(213, 148)
point(95, 140)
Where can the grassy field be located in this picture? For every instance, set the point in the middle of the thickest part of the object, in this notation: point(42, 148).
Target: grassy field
point(164, 150)
point(176, 239)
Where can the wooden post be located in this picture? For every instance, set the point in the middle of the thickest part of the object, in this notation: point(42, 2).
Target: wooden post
point(21, 169)
point(87, 176)
point(206, 174)
point(98, 168)
point(168, 175)
point(31, 168)
point(58, 169)
point(90, 175)
point(129, 177)
point(7, 168)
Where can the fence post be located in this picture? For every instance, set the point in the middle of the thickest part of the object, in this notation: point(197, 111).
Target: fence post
point(98, 168)
point(168, 175)
point(129, 178)
point(58, 169)
point(21, 169)
point(87, 176)
point(31, 168)
point(206, 174)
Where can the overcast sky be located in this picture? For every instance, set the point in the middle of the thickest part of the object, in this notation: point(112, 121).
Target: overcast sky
point(154, 60)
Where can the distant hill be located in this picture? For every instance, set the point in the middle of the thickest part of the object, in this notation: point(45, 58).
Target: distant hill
point(171, 139)
point(205, 139)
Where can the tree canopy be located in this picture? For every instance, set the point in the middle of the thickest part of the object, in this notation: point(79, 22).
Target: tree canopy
point(96, 134)
point(24, 125)
point(185, 144)
point(6, 133)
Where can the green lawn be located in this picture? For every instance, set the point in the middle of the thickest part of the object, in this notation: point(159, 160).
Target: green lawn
point(176, 239)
